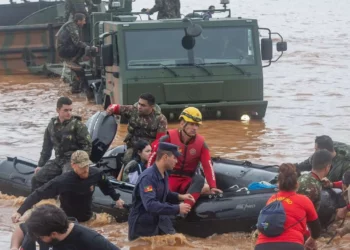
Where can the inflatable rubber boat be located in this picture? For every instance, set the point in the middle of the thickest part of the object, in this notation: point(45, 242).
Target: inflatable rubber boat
point(236, 209)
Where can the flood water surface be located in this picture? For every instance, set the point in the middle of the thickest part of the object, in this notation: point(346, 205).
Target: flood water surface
point(308, 92)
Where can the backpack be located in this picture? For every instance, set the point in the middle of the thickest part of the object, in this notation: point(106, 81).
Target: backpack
point(272, 218)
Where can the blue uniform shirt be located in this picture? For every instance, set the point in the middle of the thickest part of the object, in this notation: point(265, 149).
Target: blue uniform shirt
point(150, 211)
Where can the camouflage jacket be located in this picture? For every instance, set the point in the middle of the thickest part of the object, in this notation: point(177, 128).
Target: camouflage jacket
point(65, 138)
point(143, 127)
point(310, 186)
point(340, 165)
point(76, 6)
point(68, 35)
point(167, 9)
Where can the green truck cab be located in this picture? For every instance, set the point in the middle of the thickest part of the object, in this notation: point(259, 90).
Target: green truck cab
point(215, 65)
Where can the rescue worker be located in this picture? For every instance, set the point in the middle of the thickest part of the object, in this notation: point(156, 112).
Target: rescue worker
point(50, 224)
point(65, 134)
point(167, 9)
point(151, 208)
point(310, 184)
point(194, 150)
point(340, 162)
point(76, 6)
point(145, 121)
point(75, 189)
point(209, 14)
point(71, 49)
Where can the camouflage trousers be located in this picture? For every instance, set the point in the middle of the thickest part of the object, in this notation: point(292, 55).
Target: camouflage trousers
point(71, 52)
point(50, 170)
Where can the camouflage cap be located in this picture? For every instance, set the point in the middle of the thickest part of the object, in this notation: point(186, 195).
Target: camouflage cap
point(80, 158)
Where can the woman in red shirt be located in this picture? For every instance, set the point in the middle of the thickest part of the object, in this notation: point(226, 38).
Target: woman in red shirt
point(299, 212)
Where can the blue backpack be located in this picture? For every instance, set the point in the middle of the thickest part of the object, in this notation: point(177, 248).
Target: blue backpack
point(272, 218)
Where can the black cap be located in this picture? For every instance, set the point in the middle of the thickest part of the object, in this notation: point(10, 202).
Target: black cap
point(169, 147)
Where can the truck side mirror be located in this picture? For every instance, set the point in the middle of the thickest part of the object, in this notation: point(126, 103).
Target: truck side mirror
point(281, 46)
point(107, 55)
point(266, 49)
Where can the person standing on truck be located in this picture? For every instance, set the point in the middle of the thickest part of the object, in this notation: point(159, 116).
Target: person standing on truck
point(71, 49)
point(75, 189)
point(145, 121)
point(340, 161)
point(152, 202)
point(65, 134)
point(194, 150)
point(310, 184)
point(167, 9)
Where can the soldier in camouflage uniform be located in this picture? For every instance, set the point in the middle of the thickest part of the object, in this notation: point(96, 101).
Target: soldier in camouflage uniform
point(145, 121)
point(76, 6)
point(167, 9)
point(72, 49)
point(310, 184)
point(65, 134)
point(340, 162)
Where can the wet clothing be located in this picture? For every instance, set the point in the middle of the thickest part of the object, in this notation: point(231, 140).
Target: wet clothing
point(167, 9)
point(28, 243)
point(75, 193)
point(194, 152)
point(311, 186)
point(132, 171)
point(149, 127)
point(340, 163)
point(299, 212)
point(279, 246)
point(69, 42)
point(149, 215)
point(64, 138)
point(76, 6)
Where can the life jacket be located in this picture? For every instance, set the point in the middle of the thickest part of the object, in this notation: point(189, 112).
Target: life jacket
point(190, 154)
point(137, 130)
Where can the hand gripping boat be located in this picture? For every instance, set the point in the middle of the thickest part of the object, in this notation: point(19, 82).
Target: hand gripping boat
point(237, 209)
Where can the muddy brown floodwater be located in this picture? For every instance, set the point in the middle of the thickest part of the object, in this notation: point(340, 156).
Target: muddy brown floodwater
point(308, 92)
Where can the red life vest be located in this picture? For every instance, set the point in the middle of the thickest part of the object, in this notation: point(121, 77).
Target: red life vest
point(190, 154)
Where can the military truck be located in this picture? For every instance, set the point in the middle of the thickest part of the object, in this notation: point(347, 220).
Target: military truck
point(215, 65)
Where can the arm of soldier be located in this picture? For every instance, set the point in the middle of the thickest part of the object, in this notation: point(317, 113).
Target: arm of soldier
point(173, 197)
point(157, 7)
point(162, 128)
point(89, 4)
point(147, 188)
point(49, 190)
point(46, 151)
point(106, 187)
point(154, 145)
point(208, 166)
point(304, 166)
point(123, 110)
point(17, 238)
point(83, 137)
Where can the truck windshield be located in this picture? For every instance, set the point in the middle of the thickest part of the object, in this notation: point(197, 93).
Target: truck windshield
point(159, 47)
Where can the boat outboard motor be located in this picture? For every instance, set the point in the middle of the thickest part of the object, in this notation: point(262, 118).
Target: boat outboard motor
point(102, 129)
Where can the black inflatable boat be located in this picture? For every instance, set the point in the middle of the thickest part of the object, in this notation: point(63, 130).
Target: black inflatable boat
point(236, 209)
